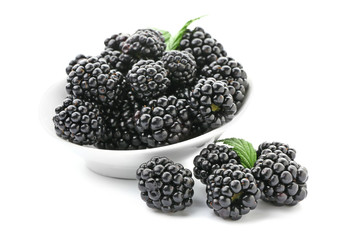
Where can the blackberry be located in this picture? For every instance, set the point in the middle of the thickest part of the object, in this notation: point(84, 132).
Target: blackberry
point(181, 67)
point(232, 191)
point(148, 80)
point(74, 62)
point(119, 131)
point(163, 121)
point(228, 70)
point(116, 41)
point(145, 44)
point(118, 60)
point(183, 92)
point(92, 80)
point(202, 46)
point(212, 103)
point(276, 147)
point(281, 180)
point(212, 157)
point(78, 121)
point(165, 185)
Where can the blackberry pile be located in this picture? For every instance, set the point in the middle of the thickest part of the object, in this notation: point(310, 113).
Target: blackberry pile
point(152, 89)
point(236, 177)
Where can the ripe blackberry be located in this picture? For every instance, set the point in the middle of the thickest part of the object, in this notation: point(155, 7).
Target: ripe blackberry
point(212, 157)
point(145, 44)
point(212, 103)
point(183, 92)
point(181, 67)
point(92, 80)
point(276, 147)
point(75, 61)
point(118, 60)
point(228, 70)
point(232, 191)
point(78, 121)
point(163, 121)
point(116, 41)
point(281, 180)
point(119, 129)
point(165, 185)
point(202, 46)
point(148, 80)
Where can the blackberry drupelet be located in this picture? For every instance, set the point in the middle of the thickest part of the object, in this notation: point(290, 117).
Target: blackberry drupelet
point(202, 46)
point(212, 157)
point(118, 60)
point(148, 79)
point(119, 131)
point(116, 41)
point(183, 92)
point(181, 67)
point(163, 121)
point(281, 180)
point(276, 147)
point(78, 121)
point(232, 191)
point(165, 185)
point(75, 61)
point(211, 103)
point(228, 70)
point(145, 44)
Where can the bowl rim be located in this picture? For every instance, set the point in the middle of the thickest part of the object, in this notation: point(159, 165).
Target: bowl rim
point(181, 144)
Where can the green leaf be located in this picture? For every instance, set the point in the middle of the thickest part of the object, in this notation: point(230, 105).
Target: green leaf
point(165, 33)
point(174, 42)
point(244, 150)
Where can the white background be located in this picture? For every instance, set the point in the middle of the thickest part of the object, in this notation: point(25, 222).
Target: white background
point(298, 56)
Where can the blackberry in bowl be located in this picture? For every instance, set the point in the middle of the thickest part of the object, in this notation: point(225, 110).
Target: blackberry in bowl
point(150, 97)
point(148, 79)
point(123, 163)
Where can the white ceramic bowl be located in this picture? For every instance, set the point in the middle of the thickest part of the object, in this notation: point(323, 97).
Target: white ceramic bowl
point(123, 163)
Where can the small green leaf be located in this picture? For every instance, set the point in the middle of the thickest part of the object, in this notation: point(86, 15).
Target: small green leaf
point(165, 33)
point(244, 150)
point(174, 42)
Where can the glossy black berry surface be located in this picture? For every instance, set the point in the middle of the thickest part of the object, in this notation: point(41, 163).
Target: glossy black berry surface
point(231, 72)
point(181, 67)
point(74, 62)
point(210, 158)
point(116, 41)
point(202, 46)
point(145, 44)
point(119, 132)
point(276, 147)
point(211, 103)
point(165, 185)
point(232, 191)
point(118, 60)
point(91, 79)
point(163, 121)
point(148, 80)
point(78, 121)
point(282, 180)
